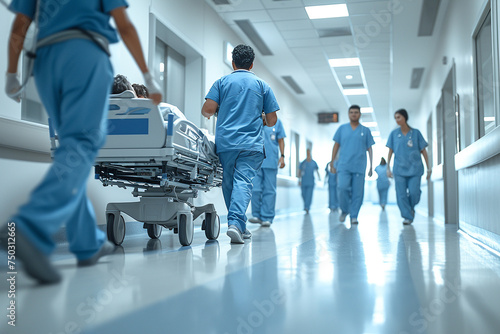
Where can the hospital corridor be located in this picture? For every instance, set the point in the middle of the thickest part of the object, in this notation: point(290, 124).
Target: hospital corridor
point(250, 166)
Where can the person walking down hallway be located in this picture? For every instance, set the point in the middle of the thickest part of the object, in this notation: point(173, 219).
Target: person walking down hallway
point(353, 140)
point(333, 201)
point(240, 98)
point(264, 183)
point(407, 144)
point(382, 183)
point(73, 75)
point(306, 179)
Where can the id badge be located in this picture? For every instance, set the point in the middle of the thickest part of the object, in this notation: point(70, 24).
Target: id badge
point(410, 143)
point(273, 137)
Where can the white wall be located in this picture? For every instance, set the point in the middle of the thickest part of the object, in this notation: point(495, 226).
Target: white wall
point(203, 29)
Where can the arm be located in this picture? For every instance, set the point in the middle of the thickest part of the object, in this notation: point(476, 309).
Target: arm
point(389, 157)
point(271, 118)
point(281, 143)
point(129, 35)
point(209, 108)
point(334, 154)
point(370, 154)
point(16, 41)
point(319, 176)
point(426, 158)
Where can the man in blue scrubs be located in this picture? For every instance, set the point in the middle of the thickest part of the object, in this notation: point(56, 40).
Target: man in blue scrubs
point(306, 182)
point(354, 139)
point(239, 100)
point(73, 79)
point(264, 184)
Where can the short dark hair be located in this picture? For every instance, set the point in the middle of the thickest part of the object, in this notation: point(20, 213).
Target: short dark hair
point(141, 90)
point(355, 106)
point(121, 84)
point(243, 56)
point(403, 113)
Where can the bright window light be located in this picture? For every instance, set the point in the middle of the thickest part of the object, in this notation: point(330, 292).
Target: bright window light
point(361, 91)
point(489, 119)
point(344, 62)
point(327, 11)
point(228, 53)
point(367, 110)
point(348, 77)
point(162, 67)
point(370, 125)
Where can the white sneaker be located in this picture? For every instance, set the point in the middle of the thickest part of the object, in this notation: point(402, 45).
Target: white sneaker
point(255, 220)
point(407, 222)
point(354, 221)
point(234, 233)
point(342, 217)
point(265, 223)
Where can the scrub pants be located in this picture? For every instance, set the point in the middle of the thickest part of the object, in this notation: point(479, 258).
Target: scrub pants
point(333, 201)
point(307, 195)
point(264, 194)
point(239, 170)
point(408, 194)
point(351, 191)
point(74, 79)
point(382, 195)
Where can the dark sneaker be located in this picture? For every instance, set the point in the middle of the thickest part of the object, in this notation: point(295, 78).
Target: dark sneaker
point(254, 220)
point(234, 233)
point(106, 249)
point(36, 264)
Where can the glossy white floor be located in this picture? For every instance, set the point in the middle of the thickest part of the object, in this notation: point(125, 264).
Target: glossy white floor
point(306, 274)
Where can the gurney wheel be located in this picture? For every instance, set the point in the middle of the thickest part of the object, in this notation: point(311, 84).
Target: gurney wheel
point(154, 230)
point(212, 225)
point(185, 230)
point(115, 228)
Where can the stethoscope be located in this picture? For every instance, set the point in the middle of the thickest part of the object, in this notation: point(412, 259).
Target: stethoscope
point(410, 141)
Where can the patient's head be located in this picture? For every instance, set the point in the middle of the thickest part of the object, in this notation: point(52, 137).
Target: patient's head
point(141, 91)
point(121, 84)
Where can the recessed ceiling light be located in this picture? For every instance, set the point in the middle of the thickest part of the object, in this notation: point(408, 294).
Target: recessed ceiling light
point(327, 11)
point(344, 62)
point(360, 91)
point(348, 77)
point(367, 110)
point(370, 124)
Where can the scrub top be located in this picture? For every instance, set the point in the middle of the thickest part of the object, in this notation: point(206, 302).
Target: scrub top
point(353, 143)
point(271, 135)
point(382, 180)
point(307, 169)
point(56, 16)
point(242, 97)
point(407, 160)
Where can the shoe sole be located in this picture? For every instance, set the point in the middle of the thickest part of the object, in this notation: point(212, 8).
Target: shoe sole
point(264, 224)
point(253, 221)
point(235, 236)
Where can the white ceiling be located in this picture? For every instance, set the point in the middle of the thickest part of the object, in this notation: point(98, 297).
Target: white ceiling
point(387, 45)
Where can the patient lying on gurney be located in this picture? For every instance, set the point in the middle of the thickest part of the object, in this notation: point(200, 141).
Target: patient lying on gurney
point(121, 84)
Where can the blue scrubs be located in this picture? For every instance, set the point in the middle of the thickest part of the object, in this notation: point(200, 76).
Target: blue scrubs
point(73, 79)
point(382, 183)
point(408, 168)
point(352, 166)
point(333, 201)
point(307, 169)
point(264, 184)
point(242, 97)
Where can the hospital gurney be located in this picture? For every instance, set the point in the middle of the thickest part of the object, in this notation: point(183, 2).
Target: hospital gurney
point(166, 163)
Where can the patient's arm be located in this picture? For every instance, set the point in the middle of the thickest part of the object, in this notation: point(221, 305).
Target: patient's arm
point(209, 108)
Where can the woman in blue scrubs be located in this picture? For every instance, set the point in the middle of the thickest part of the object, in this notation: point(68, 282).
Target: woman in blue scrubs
point(73, 77)
point(307, 168)
point(407, 144)
point(382, 183)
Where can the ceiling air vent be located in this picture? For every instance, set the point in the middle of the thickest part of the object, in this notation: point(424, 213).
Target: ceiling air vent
point(335, 32)
point(428, 17)
point(293, 85)
point(416, 77)
point(254, 36)
point(224, 2)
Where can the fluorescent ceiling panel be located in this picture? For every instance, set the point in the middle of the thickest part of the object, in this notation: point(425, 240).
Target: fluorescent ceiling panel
point(362, 91)
point(327, 11)
point(370, 124)
point(254, 36)
point(366, 110)
point(344, 62)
